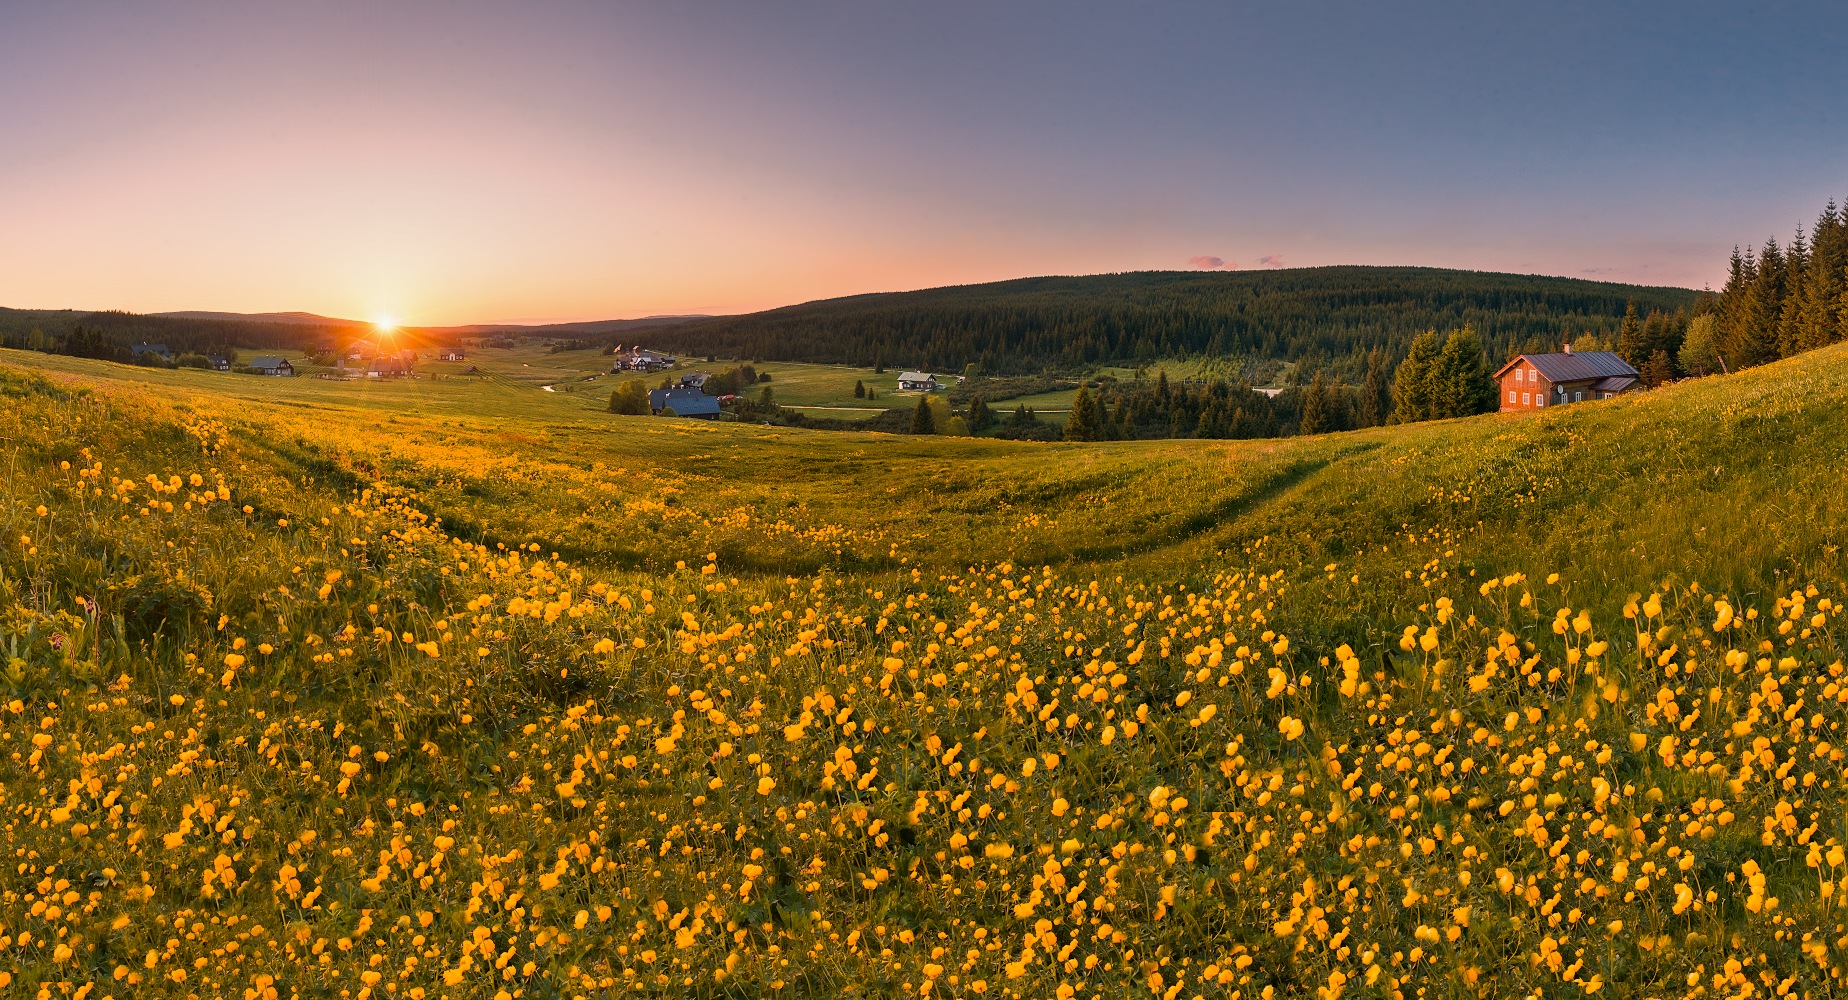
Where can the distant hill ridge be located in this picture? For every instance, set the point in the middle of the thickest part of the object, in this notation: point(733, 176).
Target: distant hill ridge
point(202, 331)
point(596, 326)
point(1322, 314)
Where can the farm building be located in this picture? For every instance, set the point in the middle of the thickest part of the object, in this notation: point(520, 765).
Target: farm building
point(451, 354)
point(386, 366)
point(1536, 381)
point(272, 366)
point(694, 380)
point(918, 382)
point(638, 360)
point(684, 403)
point(219, 362)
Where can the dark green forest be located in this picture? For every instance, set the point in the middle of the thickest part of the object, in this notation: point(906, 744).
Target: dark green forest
point(1325, 317)
point(107, 335)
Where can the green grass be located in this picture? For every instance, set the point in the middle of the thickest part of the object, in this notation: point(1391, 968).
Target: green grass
point(418, 621)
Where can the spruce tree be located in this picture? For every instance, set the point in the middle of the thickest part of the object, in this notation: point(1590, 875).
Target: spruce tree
point(980, 416)
point(1630, 344)
point(1820, 321)
point(922, 421)
point(1376, 391)
point(1462, 385)
point(859, 389)
point(1657, 370)
point(1411, 384)
point(1315, 407)
point(1081, 424)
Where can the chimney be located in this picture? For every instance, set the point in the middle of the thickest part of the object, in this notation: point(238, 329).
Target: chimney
point(1568, 348)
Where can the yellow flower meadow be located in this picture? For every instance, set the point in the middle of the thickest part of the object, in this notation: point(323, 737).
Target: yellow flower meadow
point(292, 712)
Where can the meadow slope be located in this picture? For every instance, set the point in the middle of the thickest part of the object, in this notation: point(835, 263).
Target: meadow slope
point(308, 698)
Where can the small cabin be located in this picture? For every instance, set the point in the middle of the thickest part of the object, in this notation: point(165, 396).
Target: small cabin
point(272, 366)
point(451, 354)
point(1537, 381)
point(918, 382)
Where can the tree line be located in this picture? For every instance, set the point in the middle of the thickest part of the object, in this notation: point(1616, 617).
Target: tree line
point(1784, 300)
point(1329, 318)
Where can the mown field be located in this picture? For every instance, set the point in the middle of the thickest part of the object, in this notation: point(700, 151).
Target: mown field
point(312, 694)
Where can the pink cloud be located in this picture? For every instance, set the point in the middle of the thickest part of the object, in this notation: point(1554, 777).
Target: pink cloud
point(1207, 262)
point(1272, 260)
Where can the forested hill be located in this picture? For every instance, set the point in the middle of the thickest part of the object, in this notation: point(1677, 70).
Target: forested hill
point(1323, 314)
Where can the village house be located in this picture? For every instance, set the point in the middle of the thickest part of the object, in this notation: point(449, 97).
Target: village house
point(684, 403)
point(451, 354)
point(918, 382)
point(157, 351)
point(219, 362)
point(387, 366)
point(694, 380)
point(638, 360)
point(1537, 381)
point(272, 366)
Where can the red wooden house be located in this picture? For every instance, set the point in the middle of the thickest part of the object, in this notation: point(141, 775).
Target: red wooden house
point(1537, 381)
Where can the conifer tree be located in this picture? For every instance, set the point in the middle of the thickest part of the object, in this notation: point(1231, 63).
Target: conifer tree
point(1376, 391)
point(1081, 424)
point(980, 416)
point(1630, 345)
point(1821, 319)
point(922, 421)
point(1460, 383)
point(1315, 407)
point(1411, 384)
point(859, 389)
point(1657, 370)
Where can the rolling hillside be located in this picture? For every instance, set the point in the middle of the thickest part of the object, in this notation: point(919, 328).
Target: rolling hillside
point(575, 704)
point(1322, 313)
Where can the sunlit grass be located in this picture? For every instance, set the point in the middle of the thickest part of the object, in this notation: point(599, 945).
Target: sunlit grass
point(432, 704)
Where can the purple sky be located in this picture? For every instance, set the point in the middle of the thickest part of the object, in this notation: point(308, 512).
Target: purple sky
point(456, 162)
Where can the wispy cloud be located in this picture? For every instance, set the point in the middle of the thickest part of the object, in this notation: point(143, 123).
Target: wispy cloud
point(1274, 260)
point(1208, 262)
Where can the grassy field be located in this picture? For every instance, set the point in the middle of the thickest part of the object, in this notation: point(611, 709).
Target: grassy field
point(430, 691)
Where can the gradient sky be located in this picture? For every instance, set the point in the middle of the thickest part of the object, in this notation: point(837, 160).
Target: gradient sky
point(457, 162)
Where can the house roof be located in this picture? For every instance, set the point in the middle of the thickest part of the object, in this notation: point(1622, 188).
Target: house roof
point(1575, 366)
point(1615, 383)
point(684, 402)
point(267, 362)
point(916, 377)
